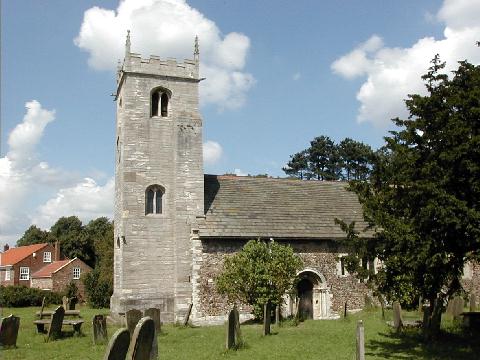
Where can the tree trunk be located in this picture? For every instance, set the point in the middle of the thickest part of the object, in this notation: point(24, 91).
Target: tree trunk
point(431, 327)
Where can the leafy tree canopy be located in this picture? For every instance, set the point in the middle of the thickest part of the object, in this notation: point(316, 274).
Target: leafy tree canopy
point(261, 272)
point(33, 235)
point(423, 196)
point(325, 160)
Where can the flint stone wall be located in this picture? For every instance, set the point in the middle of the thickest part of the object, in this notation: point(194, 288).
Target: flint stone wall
point(319, 255)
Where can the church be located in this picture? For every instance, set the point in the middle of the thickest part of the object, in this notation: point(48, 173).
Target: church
point(174, 224)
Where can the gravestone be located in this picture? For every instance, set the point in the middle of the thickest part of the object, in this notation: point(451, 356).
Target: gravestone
point(360, 341)
point(238, 335)
point(154, 314)
point(345, 310)
point(65, 302)
point(132, 317)
point(99, 325)
point(266, 319)
point(72, 303)
point(187, 315)
point(426, 317)
point(142, 340)
point(450, 306)
point(43, 306)
point(277, 315)
point(473, 302)
point(55, 329)
point(458, 308)
point(9, 331)
point(230, 343)
point(397, 315)
point(118, 345)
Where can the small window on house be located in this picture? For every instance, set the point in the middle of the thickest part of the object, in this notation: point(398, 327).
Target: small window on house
point(76, 273)
point(24, 273)
point(47, 257)
point(154, 200)
point(7, 275)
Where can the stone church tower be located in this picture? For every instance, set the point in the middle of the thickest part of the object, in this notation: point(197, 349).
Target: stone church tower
point(159, 183)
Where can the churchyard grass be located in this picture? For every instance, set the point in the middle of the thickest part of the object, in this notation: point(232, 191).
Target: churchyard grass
point(328, 339)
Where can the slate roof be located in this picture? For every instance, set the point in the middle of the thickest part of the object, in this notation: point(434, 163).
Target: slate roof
point(248, 207)
point(51, 268)
point(14, 255)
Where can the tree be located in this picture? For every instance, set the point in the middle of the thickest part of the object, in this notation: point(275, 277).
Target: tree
point(33, 235)
point(261, 272)
point(298, 165)
point(323, 158)
point(74, 242)
point(355, 159)
point(100, 233)
point(423, 197)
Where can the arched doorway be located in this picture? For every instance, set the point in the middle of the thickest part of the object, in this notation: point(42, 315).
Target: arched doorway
point(305, 298)
point(313, 296)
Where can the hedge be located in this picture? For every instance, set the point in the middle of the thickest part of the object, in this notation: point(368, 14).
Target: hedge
point(22, 296)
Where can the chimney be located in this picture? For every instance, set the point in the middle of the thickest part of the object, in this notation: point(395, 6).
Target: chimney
point(57, 250)
point(6, 247)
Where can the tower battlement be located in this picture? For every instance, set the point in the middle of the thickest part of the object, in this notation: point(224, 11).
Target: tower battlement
point(170, 67)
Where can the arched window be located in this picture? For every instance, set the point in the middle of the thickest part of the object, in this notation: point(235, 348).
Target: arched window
point(154, 199)
point(155, 100)
point(164, 106)
point(159, 102)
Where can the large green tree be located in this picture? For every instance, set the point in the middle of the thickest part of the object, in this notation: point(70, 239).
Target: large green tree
point(33, 235)
point(74, 241)
point(323, 159)
point(261, 272)
point(423, 197)
point(298, 165)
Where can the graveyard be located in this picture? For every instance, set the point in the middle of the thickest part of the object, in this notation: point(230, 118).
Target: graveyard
point(332, 339)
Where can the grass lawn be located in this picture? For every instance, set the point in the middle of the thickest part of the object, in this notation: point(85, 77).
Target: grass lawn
point(327, 339)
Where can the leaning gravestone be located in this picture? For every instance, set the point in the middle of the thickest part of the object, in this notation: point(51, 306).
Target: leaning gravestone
point(360, 341)
point(473, 302)
point(187, 315)
point(118, 345)
point(238, 335)
point(132, 318)
point(55, 329)
point(266, 319)
point(397, 315)
point(142, 340)
point(99, 325)
point(450, 306)
point(9, 331)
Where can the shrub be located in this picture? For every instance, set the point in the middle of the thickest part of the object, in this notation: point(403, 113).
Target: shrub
point(22, 296)
point(98, 290)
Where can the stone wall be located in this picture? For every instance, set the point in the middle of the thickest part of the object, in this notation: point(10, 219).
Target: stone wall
point(42, 283)
point(318, 255)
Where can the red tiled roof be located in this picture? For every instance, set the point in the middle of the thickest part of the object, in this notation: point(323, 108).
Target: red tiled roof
point(14, 255)
point(49, 269)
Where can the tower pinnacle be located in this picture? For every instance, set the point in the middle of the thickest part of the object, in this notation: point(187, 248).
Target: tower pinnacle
point(196, 51)
point(127, 44)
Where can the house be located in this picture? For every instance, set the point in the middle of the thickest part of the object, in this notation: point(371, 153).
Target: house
point(58, 274)
point(18, 264)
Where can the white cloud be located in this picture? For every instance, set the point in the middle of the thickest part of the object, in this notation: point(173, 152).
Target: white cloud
point(167, 28)
point(393, 73)
point(296, 76)
point(23, 176)
point(86, 199)
point(212, 152)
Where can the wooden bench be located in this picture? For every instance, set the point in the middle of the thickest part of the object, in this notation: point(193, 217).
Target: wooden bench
point(77, 324)
point(48, 314)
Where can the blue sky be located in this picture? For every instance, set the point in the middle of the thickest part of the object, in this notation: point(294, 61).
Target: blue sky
point(278, 74)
